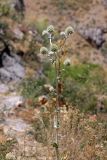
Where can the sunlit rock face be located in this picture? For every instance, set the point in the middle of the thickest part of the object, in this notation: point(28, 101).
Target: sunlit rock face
point(12, 69)
point(105, 3)
point(94, 35)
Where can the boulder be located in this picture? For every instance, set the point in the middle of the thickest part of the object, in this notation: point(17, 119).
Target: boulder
point(3, 88)
point(10, 102)
point(18, 34)
point(5, 76)
point(105, 3)
point(12, 69)
point(93, 35)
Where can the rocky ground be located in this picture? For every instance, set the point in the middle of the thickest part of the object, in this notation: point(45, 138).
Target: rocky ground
point(12, 126)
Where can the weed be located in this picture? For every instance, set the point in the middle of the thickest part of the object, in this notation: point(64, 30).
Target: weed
point(4, 10)
point(6, 148)
point(41, 24)
point(32, 88)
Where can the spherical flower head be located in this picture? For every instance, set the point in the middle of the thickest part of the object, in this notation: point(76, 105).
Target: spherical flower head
point(44, 50)
point(54, 48)
point(50, 29)
point(69, 30)
point(63, 35)
point(67, 62)
point(45, 32)
point(51, 53)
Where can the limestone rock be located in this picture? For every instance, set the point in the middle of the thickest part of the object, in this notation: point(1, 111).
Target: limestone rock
point(10, 102)
point(12, 69)
point(93, 35)
point(18, 34)
point(4, 88)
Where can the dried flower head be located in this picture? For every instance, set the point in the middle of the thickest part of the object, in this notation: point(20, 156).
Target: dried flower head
point(69, 30)
point(43, 99)
point(44, 50)
point(54, 48)
point(50, 29)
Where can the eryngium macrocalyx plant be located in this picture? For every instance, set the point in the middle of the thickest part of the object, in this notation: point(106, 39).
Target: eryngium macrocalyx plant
point(54, 53)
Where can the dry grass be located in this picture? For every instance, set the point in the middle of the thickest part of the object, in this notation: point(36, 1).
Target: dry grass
point(81, 137)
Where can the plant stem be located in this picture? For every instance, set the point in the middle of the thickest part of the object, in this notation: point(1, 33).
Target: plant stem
point(57, 67)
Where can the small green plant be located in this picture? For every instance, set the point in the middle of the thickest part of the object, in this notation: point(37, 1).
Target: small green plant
point(41, 24)
point(40, 133)
point(31, 88)
point(6, 148)
point(82, 82)
point(4, 9)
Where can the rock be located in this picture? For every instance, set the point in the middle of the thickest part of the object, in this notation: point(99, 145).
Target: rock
point(9, 132)
point(12, 69)
point(19, 5)
point(17, 58)
point(5, 76)
point(8, 60)
point(18, 34)
point(17, 125)
point(4, 88)
point(10, 102)
point(105, 3)
point(10, 156)
point(18, 71)
point(93, 35)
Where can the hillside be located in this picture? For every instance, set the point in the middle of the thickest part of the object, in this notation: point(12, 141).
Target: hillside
point(31, 125)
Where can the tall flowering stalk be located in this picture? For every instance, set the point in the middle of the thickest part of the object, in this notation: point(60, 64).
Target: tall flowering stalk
point(55, 53)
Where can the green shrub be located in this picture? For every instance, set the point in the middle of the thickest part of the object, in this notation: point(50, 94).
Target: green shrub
point(4, 9)
point(32, 88)
point(41, 24)
point(40, 131)
point(82, 83)
point(6, 148)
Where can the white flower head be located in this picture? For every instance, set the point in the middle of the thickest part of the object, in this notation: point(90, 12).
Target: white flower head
point(69, 30)
point(54, 48)
point(45, 32)
point(67, 62)
point(63, 35)
point(50, 29)
point(51, 89)
point(52, 60)
point(51, 53)
point(44, 50)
